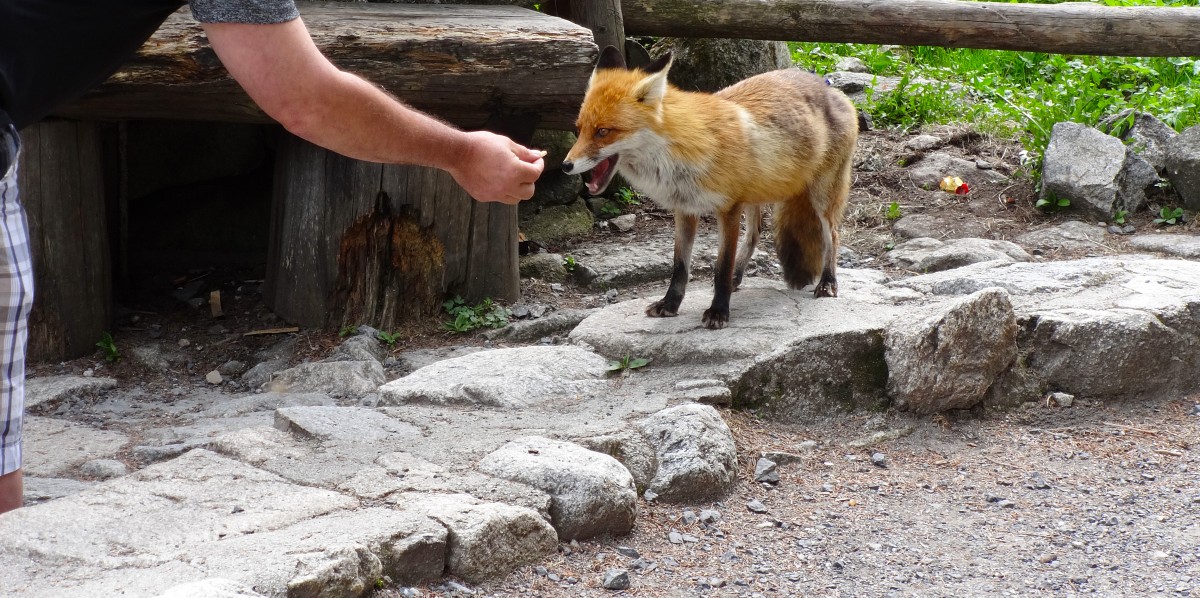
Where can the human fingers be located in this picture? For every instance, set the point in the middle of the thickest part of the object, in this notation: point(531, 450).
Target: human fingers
point(526, 154)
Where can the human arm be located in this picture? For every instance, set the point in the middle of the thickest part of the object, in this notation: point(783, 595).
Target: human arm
point(284, 72)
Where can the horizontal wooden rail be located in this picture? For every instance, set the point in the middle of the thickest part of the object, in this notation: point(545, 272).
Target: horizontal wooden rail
point(1070, 28)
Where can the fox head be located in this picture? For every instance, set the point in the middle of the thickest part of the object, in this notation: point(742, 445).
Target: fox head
point(620, 104)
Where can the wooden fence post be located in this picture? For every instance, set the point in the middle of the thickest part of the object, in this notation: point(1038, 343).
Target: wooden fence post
point(604, 18)
point(62, 188)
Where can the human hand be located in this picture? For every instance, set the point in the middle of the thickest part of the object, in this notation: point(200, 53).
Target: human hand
point(496, 168)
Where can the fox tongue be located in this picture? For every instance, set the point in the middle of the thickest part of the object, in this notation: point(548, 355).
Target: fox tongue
point(600, 175)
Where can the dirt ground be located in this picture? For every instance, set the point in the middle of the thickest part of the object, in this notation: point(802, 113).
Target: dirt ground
point(1046, 500)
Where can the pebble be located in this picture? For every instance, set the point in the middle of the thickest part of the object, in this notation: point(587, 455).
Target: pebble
point(689, 517)
point(1062, 399)
point(650, 495)
point(616, 579)
point(628, 552)
point(756, 506)
point(878, 460)
point(183, 342)
point(454, 586)
point(675, 538)
point(710, 516)
point(1196, 409)
point(214, 377)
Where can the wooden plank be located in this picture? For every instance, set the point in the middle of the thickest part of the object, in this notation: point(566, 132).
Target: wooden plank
point(463, 63)
point(1070, 28)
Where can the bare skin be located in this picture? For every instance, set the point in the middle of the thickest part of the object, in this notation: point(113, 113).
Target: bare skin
point(285, 73)
point(12, 489)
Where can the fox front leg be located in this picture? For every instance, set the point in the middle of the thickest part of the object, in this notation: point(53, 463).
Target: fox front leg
point(685, 236)
point(717, 315)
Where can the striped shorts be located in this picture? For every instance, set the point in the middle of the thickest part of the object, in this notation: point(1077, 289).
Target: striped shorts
point(16, 299)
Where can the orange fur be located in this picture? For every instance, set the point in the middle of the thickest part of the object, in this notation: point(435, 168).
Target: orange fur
point(783, 137)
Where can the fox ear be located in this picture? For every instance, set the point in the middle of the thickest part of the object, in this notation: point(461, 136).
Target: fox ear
point(651, 89)
point(610, 58)
point(661, 64)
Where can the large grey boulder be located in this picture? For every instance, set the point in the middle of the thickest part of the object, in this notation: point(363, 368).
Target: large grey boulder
point(702, 64)
point(632, 450)
point(592, 493)
point(697, 457)
point(931, 255)
point(1143, 133)
point(1096, 172)
point(1182, 166)
point(510, 378)
point(950, 359)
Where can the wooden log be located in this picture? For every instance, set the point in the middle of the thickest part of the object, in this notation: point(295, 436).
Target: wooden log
point(62, 187)
point(462, 63)
point(1070, 28)
point(604, 18)
point(360, 243)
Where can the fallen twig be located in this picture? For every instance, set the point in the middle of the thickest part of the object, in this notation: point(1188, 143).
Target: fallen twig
point(273, 331)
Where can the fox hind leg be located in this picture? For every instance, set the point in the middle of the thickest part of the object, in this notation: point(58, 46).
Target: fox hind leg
point(685, 237)
point(836, 191)
point(754, 221)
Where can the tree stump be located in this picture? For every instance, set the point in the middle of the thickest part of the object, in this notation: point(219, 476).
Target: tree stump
point(62, 187)
point(359, 243)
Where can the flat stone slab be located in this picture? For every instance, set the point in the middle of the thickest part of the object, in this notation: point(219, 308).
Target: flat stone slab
point(48, 390)
point(764, 315)
point(53, 447)
point(1185, 246)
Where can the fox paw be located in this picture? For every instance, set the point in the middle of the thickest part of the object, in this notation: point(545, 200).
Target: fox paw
point(660, 309)
point(825, 289)
point(715, 319)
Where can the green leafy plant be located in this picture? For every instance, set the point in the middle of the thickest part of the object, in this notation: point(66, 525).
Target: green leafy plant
point(893, 211)
point(388, 338)
point(627, 197)
point(1052, 203)
point(569, 263)
point(109, 346)
point(348, 331)
point(1169, 215)
point(610, 209)
point(465, 318)
point(1120, 216)
point(627, 363)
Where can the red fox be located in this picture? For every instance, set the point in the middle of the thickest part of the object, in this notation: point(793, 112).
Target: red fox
point(784, 137)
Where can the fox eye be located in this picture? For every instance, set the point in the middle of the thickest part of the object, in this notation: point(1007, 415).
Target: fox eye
point(602, 132)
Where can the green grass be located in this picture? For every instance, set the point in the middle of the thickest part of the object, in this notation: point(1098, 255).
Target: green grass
point(1018, 94)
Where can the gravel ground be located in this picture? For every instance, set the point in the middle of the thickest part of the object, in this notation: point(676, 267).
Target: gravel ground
point(1046, 500)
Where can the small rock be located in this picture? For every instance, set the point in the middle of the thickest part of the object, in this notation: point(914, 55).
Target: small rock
point(183, 342)
point(765, 471)
point(628, 552)
point(807, 445)
point(649, 495)
point(616, 579)
point(852, 64)
point(1006, 504)
point(624, 222)
point(675, 538)
point(454, 586)
point(214, 377)
point(756, 506)
point(1062, 399)
point(710, 516)
point(689, 517)
point(879, 460)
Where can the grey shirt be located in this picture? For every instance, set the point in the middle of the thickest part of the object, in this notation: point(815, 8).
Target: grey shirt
point(258, 12)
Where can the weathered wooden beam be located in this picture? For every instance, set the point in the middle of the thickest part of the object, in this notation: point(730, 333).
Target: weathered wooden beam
point(1070, 28)
point(465, 64)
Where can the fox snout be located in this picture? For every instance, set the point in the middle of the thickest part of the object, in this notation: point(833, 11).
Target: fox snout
point(568, 167)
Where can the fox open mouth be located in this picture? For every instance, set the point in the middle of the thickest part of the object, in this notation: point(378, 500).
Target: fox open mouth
point(602, 174)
